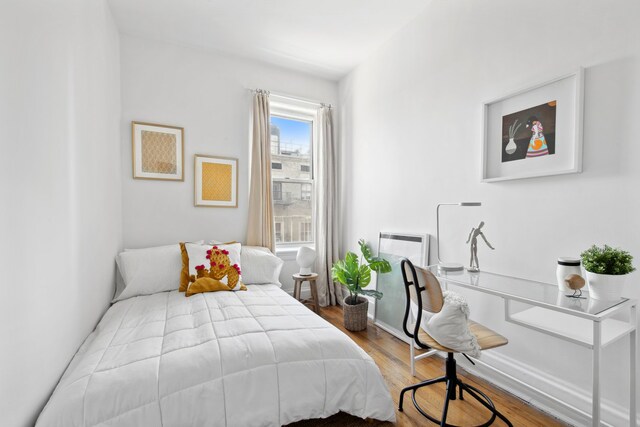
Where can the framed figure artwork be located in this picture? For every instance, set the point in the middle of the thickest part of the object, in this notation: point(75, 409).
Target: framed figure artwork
point(157, 151)
point(534, 132)
point(216, 181)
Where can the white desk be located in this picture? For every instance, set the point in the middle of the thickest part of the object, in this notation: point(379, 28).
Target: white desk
point(587, 322)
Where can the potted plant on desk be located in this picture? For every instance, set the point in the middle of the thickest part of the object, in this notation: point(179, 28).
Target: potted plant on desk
point(607, 269)
point(356, 275)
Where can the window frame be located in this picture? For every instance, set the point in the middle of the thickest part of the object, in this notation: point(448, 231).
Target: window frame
point(286, 109)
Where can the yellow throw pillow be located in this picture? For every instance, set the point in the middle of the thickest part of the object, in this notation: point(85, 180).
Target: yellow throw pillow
point(197, 249)
point(220, 263)
point(207, 284)
point(184, 273)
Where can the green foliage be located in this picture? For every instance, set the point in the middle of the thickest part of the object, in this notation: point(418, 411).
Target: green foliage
point(607, 260)
point(356, 275)
point(377, 264)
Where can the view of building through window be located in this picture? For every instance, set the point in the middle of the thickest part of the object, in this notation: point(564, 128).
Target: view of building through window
point(291, 173)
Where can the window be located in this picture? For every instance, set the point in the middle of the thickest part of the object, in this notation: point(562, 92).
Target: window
point(305, 232)
point(292, 139)
point(277, 191)
point(275, 140)
point(278, 231)
point(305, 192)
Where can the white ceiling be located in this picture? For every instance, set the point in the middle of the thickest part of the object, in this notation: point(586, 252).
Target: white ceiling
point(323, 37)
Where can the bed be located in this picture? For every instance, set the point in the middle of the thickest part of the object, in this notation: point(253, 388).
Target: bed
point(250, 358)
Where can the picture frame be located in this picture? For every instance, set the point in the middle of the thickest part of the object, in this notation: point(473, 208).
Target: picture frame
point(534, 132)
point(157, 151)
point(215, 181)
point(394, 247)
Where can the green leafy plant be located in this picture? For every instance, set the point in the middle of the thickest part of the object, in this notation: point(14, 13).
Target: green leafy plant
point(356, 275)
point(607, 260)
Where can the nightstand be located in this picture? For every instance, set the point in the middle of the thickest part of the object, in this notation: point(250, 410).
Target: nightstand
point(298, 280)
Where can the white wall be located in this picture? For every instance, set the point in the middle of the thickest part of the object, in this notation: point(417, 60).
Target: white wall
point(412, 128)
point(206, 93)
point(60, 222)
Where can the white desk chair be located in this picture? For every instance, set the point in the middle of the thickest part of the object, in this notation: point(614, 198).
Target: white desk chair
point(423, 289)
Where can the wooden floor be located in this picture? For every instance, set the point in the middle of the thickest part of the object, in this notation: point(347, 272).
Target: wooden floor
point(392, 357)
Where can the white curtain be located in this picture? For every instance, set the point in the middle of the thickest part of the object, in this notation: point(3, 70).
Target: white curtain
point(260, 227)
point(326, 206)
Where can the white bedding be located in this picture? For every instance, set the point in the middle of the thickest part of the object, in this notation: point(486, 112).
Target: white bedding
point(255, 358)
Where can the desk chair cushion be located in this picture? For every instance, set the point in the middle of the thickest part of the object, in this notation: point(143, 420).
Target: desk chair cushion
point(450, 327)
point(486, 338)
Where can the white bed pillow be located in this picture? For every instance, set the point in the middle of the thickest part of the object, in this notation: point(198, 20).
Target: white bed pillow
point(120, 281)
point(198, 255)
point(148, 271)
point(450, 326)
point(260, 266)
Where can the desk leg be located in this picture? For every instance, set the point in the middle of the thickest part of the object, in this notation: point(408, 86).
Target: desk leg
point(632, 368)
point(595, 400)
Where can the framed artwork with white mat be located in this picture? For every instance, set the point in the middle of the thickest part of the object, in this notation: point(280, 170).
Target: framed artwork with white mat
point(157, 151)
point(216, 181)
point(535, 132)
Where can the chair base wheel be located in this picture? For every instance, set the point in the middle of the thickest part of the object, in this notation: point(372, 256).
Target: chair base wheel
point(488, 403)
point(452, 382)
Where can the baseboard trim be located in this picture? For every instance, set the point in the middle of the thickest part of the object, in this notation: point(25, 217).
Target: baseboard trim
point(612, 413)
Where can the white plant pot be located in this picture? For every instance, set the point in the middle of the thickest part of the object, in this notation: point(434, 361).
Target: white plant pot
point(606, 287)
point(511, 146)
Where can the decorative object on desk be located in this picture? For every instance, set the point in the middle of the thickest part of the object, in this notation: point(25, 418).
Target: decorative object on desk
point(449, 266)
point(547, 110)
point(394, 247)
point(474, 265)
point(157, 151)
point(305, 258)
point(566, 266)
point(575, 282)
point(356, 275)
point(607, 270)
point(216, 181)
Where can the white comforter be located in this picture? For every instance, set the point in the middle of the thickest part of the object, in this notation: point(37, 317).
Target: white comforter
point(255, 358)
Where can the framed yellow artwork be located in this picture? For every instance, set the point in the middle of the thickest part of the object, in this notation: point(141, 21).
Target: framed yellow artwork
point(216, 181)
point(158, 151)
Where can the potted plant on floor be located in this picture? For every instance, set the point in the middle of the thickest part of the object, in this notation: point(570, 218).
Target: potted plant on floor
point(356, 275)
point(607, 269)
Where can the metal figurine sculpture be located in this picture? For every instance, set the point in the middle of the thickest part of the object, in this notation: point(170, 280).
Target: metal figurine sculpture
point(474, 265)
